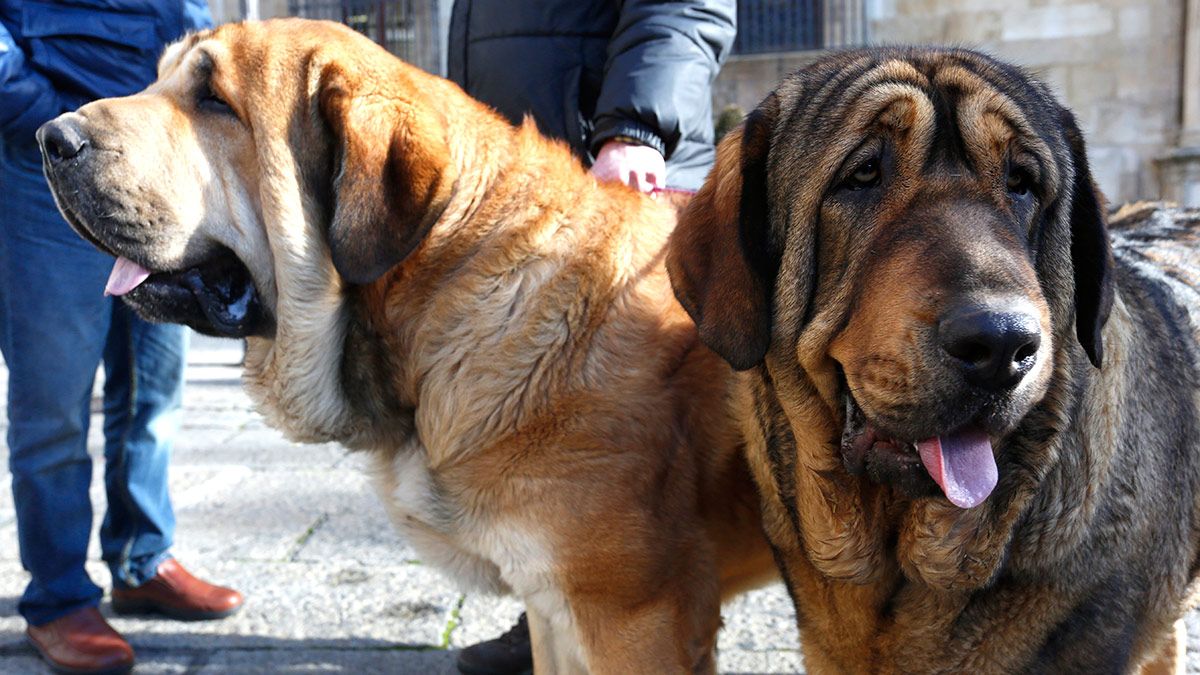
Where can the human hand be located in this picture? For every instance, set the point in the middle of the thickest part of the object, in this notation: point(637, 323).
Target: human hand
point(640, 167)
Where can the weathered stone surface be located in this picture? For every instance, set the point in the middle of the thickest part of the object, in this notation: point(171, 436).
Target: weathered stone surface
point(1058, 21)
point(1119, 64)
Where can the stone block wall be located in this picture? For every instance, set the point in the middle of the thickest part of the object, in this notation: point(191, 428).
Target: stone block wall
point(224, 11)
point(1117, 63)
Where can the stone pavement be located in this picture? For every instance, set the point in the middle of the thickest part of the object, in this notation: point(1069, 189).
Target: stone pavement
point(330, 586)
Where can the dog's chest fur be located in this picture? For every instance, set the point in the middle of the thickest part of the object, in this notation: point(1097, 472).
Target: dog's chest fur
point(474, 547)
point(472, 383)
point(496, 359)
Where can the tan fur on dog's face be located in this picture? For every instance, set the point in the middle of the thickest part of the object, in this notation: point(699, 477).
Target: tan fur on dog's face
point(174, 165)
point(242, 134)
point(921, 237)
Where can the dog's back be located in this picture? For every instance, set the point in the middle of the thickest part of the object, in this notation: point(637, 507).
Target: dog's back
point(1145, 406)
point(1161, 243)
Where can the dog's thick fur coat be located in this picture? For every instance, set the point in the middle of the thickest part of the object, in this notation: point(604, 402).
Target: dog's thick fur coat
point(457, 297)
point(871, 196)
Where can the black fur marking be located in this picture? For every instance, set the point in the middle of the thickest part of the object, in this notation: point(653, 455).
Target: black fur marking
point(1076, 645)
point(1091, 252)
point(949, 147)
point(781, 563)
point(754, 215)
point(781, 445)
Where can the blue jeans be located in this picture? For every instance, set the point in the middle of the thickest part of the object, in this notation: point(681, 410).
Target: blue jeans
point(56, 327)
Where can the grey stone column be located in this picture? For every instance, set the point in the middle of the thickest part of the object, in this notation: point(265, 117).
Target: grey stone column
point(1179, 169)
point(1191, 76)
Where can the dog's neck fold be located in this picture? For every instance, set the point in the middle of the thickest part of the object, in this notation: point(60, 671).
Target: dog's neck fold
point(295, 378)
point(301, 378)
point(508, 297)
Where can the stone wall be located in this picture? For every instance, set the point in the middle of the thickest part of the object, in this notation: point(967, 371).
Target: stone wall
point(1117, 63)
point(224, 11)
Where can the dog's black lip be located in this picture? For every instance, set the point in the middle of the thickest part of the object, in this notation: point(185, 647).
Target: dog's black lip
point(882, 459)
point(157, 275)
point(76, 224)
point(860, 435)
point(216, 296)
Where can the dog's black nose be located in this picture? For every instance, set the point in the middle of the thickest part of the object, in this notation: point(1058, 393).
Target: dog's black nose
point(61, 139)
point(994, 349)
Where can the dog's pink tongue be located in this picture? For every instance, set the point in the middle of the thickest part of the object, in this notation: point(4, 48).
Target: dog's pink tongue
point(125, 276)
point(962, 464)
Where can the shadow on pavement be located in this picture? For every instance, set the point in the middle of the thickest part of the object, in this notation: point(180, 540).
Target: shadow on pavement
point(252, 654)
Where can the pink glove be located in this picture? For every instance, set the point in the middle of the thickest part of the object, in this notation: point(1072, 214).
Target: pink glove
point(638, 166)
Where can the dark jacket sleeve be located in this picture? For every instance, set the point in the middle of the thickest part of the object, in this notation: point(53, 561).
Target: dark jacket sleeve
point(662, 60)
point(29, 97)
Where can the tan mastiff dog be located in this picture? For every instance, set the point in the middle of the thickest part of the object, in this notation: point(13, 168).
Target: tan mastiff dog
point(419, 280)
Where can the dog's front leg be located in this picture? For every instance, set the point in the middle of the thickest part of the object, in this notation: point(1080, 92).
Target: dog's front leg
point(555, 651)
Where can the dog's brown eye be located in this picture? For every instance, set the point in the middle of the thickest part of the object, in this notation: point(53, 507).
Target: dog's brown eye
point(210, 101)
point(865, 176)
point(1018, 182)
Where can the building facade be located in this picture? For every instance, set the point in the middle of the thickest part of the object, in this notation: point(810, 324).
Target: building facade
point(1130, 69)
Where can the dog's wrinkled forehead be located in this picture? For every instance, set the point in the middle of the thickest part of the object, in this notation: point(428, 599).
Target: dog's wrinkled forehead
point(177, 67)
point(937, 99)
point(177, 52)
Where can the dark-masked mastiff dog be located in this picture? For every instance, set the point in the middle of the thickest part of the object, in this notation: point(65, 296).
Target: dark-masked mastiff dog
point(420, 280)
point(973, 419)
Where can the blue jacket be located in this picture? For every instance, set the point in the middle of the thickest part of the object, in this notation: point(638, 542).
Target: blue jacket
point(56, 56)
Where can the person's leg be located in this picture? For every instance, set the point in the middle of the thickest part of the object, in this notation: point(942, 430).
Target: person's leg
point(53, 317)
point(144, 366)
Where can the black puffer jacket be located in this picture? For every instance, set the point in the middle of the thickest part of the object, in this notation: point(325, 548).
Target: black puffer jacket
point(592, 70)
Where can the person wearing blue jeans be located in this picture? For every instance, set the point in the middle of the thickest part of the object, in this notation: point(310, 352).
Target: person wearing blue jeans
point(57, 326)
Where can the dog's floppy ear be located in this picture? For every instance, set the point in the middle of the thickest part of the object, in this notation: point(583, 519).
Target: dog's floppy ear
point(1091, 251)
point(392, 180)
point(720, 262)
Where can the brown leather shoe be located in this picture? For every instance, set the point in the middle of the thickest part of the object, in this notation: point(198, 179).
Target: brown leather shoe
point(173, 591)
point(82, 642)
